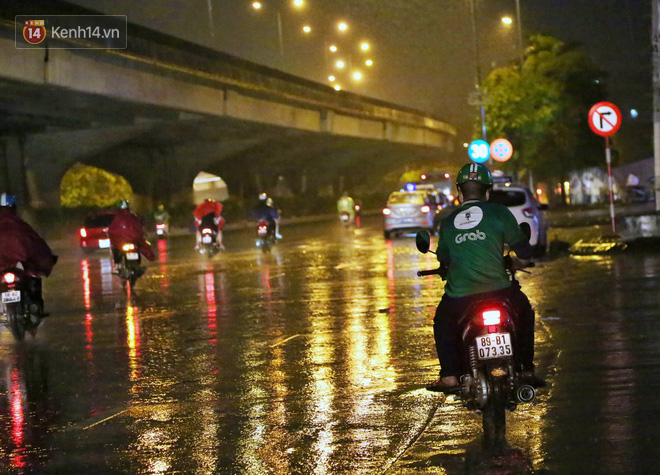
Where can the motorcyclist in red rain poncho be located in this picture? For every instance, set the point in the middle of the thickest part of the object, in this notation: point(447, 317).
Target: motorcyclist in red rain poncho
point(126, 228)
point(19, 243)
point(208, 213)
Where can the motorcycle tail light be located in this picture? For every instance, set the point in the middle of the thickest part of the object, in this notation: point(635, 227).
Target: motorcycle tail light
point(83, 232)
point(491, 317)
point(425, 209)
point(128, 247)
point(357, 207)
point(387, 211)
point(528, 212)
point(160, 226)
point(206, 231)
point(9, 278)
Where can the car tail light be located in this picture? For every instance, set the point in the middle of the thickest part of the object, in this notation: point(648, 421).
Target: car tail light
point(491, 317)
point(387, 211)
point(128, 247)
point(425, 209)
point(9, 278)
point(206, 231)
point(528, 212)
point(83, 232)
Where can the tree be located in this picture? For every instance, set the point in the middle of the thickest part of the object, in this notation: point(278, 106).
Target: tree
point(543, 107)
point(83, 185)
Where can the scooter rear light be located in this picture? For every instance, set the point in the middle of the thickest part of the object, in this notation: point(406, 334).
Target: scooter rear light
point(387, 211)
point(83, 232)
point(206, 231)
point(128, 247)
point(9, 278)
point(492, 317)
point(160, 226)
point(357, 207)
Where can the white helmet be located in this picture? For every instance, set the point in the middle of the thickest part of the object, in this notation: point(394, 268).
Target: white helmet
point(263, 197)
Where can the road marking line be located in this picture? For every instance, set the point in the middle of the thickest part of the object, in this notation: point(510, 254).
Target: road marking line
point(106, 419)
point(284, 341)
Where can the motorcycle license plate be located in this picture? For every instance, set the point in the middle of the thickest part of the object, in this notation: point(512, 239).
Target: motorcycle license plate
point(104, 243)
point(11, 296)
point(494, 345)
point(206, 239)
point(132, 256)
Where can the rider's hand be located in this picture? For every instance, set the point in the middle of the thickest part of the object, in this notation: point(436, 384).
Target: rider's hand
point(518, 264)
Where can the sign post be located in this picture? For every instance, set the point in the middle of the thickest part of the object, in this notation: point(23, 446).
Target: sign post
point(605, 120)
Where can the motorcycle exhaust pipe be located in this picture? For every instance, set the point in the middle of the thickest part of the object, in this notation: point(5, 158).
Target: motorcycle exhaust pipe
point(525, 393)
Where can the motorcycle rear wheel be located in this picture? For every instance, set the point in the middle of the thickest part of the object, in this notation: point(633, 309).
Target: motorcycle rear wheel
point(494, 420)
point(15, 321)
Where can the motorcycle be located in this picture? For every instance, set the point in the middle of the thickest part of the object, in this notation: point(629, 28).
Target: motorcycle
point(129, 269)
point(492, 383)
point(20, 308)
point(345, 218)
point(162, 230)
point(265, 235)
point(209, 244)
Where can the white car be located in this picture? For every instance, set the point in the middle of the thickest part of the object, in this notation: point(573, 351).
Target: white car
point(524, 206)
point(408, 211)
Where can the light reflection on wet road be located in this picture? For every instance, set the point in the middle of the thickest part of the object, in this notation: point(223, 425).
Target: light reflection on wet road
point(312, 359)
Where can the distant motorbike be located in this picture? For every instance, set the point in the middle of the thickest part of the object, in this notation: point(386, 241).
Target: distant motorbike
point(20, 308)
point(162, 230)
point(209, 245)
point(129, 269)
point(492, 383)
point(265, 235)
point(345, 218)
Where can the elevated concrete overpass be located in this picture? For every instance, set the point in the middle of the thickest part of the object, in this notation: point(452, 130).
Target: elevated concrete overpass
point(162, 109)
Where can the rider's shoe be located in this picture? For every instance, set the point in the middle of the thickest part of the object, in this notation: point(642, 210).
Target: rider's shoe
point(278, 235)
point(443, 387)
point(534, 381)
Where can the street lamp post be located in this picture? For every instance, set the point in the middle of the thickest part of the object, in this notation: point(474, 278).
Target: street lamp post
point(520, 43)
point(477, 68)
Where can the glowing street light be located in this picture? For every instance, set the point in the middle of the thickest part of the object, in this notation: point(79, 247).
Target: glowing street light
point(257, 5)
point(357, 75)
point(364, 46)
point(298, 3)
point(369, 62)
point(337, 87)
point(340, 64)
point(333, 48)
point(307, 29)
point(331, 78)
point(507, 20)
point(342, 26)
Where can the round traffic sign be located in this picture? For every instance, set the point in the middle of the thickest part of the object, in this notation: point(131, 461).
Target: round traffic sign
point(604, 118)
point(501, 150)
point(479, 151)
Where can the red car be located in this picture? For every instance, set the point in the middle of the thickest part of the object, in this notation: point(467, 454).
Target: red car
point(94, 233)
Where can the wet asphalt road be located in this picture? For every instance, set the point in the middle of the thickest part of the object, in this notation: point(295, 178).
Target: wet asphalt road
point(313, 359)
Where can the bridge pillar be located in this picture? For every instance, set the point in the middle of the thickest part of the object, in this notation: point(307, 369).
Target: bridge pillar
point(14, 177)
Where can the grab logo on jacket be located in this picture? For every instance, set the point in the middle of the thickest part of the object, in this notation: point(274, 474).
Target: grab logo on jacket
point(468, 219)
point(473, 236)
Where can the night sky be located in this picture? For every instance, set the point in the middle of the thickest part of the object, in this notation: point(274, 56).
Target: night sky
point(422, 49)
